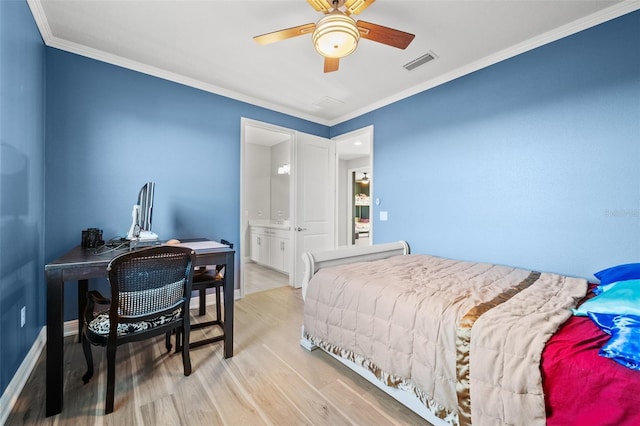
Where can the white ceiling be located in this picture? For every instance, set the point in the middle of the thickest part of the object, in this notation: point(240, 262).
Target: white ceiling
point(208, 44)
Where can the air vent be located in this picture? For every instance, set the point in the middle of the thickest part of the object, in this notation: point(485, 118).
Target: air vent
point(326, 102)
point(420, 61)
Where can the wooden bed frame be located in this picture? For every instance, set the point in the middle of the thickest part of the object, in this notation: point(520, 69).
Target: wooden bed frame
point(316, 261)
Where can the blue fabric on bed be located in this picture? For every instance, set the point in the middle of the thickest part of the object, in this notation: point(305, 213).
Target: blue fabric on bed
point(628, 271)
point(624, 344)
point(602, 288)
point(621, 298)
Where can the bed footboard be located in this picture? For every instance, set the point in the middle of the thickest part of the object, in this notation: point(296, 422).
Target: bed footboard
point(313, 262)
point(324, 259)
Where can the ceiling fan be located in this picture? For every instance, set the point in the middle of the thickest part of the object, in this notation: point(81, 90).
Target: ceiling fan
point(336, 35)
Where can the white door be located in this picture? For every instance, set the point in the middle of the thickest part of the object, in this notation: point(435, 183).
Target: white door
point(314, 210)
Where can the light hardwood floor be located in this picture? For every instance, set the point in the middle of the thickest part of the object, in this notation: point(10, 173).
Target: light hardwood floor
point(270, 380)
point(260, 278)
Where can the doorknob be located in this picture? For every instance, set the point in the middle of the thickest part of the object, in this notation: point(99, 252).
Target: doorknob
point(300, 229)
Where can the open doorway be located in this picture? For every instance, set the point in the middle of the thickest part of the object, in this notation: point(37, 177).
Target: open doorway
point(289, 186)
point(265, 203)
point(354, 152)
point(360, 206)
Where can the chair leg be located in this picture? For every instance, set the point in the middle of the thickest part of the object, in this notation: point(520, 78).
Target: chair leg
point(88, 356)
point(203, 302)
point(186, 359)
point(178, 340)
point(111, 378)
point(218, 305)
point(167, 341)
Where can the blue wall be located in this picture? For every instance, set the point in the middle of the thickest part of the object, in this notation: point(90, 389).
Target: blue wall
point(531, 162)
point(109, 130)
point(22, 72)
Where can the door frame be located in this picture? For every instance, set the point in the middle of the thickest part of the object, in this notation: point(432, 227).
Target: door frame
point(244, 220)
point(365, 133)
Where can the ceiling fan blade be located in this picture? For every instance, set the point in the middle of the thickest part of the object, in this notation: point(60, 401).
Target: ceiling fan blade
point(331, 64)
point(285, 34)
point(323, 6)
point(356, 6)
point(384, 35)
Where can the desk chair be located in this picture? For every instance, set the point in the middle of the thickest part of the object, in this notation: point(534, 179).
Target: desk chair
point(204, 279)
point(150, 295)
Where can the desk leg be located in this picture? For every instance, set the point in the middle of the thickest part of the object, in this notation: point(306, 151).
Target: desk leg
point(55, 321)
point(229, 292)
point(83, 288)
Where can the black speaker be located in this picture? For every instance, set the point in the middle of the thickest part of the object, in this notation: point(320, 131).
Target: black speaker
point(92, 238)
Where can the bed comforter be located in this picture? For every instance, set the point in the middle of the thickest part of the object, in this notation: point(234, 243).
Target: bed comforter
point(465, 337)
point(582, 387)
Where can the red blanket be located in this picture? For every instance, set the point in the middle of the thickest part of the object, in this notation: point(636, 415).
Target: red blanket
point(583, 388)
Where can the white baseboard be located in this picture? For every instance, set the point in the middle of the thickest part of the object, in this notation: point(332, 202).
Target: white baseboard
point(195, 302)
point(70, 328)
point(11, 394)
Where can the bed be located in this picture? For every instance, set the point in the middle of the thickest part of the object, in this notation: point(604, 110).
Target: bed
point(465, 343)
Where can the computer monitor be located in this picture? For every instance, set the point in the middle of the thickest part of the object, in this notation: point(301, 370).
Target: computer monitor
point(142, 215)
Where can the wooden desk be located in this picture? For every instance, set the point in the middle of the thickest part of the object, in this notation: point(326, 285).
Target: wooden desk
point(81, 264)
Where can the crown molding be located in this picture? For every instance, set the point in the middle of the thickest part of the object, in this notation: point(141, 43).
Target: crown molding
point(51, 41)
point(622, 8)
point(589, 21)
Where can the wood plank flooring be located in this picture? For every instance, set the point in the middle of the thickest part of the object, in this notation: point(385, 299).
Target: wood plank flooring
point(271, 380)
point(260, 278)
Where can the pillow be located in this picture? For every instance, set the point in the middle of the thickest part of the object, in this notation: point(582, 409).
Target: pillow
point(623, 298)
point(628, 271)
point(624, 345)
point(602, 288)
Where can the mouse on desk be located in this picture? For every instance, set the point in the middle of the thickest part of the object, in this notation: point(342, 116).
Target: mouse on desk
point(172, 242)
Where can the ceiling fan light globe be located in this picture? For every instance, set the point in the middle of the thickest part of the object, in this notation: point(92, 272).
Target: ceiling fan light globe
point(336, 35)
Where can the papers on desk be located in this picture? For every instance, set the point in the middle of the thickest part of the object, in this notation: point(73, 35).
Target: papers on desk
point(202, 245)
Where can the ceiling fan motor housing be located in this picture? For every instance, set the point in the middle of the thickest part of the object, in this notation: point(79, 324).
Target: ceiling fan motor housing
point(336, 35)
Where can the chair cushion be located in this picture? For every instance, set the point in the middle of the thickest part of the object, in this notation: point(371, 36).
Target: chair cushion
point(207, 280)
point(100, 324)
point(207, 275)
